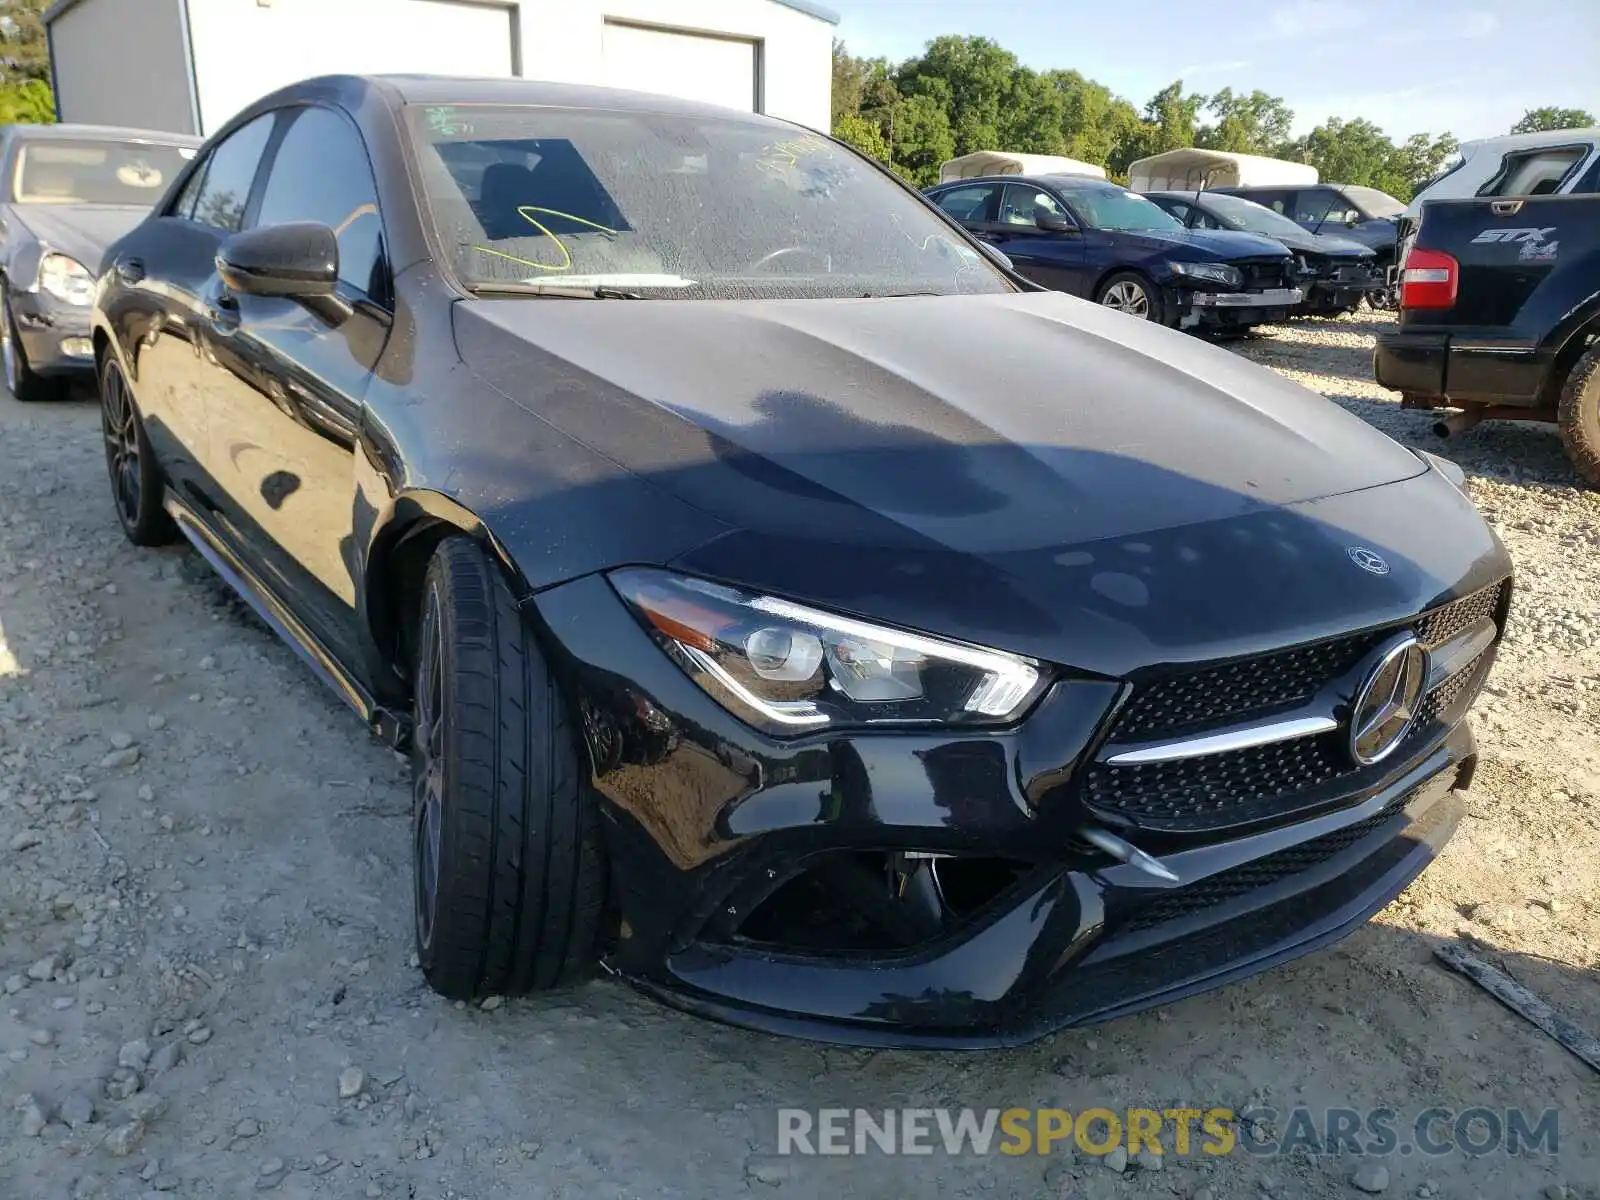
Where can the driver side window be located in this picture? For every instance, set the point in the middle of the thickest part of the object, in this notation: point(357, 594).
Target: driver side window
point(1023, 204)
point(321, 173)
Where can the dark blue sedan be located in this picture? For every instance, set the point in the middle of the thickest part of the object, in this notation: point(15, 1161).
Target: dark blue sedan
point(1105, 243)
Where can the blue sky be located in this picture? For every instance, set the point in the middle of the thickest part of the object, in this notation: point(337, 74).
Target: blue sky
point(1412, 66)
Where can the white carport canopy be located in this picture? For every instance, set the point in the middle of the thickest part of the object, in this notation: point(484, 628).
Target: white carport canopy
point(1001, 162)
point(1192, 169)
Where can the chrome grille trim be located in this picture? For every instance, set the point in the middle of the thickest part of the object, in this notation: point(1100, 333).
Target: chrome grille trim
point(1240, 737)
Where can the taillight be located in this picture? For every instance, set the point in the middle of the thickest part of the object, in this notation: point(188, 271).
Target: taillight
point(1429, 279)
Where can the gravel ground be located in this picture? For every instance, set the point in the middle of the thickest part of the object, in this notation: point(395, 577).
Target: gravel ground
point(205, 929)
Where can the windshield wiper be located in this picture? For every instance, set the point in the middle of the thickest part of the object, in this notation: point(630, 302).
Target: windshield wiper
point(565, 291)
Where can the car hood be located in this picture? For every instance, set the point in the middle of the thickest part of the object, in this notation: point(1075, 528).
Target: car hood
point(1322, 243)
point(971, 439)
point(80, 230)
point(1217, 245)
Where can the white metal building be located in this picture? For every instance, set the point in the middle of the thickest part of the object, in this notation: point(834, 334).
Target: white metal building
point(189, 65)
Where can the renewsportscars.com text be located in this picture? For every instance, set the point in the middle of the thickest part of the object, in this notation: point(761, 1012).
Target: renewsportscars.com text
point(954, 1132)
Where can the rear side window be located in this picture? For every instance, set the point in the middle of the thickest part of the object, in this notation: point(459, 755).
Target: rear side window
point(1278, 202)
point(1184, 212)
point(973, 203)
point(217, 194)
point(1326, 206)
point(1535, 172)
point(321, 173)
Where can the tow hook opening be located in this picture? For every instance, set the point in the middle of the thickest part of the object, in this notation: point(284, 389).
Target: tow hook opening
point(870, 902)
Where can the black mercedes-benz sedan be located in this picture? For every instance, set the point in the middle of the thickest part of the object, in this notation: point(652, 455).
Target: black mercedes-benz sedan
point(785, 606)
point(68, 192)
point(1335, 272)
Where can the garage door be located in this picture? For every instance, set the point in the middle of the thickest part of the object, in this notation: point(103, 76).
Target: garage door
point(693, 66)
point(294, 39)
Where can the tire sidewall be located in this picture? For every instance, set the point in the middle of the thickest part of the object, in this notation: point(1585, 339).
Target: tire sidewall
point(1579, 416)
point(1153, 312)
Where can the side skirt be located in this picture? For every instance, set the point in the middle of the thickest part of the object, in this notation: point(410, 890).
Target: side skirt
point(385, 725)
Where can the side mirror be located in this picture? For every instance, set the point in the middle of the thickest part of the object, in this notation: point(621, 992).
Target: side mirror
point(1351, 219)
point(1054, 223)
point(295, 261)
point(1000, 257)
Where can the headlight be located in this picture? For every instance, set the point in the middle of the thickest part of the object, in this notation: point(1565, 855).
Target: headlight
point(790, 669)
point(66, 279)
point(1211, 272)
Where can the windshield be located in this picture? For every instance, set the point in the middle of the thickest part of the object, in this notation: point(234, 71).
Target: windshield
point(1112, 208)
point(85, 172)
point(670, 206)
point(1373, 203)
point(1238, 213)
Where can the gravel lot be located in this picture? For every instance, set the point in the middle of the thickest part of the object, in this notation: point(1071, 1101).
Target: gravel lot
point(205, 924)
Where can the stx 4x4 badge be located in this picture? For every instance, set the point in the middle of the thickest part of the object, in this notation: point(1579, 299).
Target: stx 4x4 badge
point(1532, 241)
point(1514, 235)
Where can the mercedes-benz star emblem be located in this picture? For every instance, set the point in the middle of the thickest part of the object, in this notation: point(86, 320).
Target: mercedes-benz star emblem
point(1368, 560)
point(1386, 706)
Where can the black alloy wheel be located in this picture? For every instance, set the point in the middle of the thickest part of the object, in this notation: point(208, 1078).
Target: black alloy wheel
point(136, 488)
point(428, 772)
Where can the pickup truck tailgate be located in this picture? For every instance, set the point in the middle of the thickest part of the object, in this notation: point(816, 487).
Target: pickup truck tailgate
point(1528, 275)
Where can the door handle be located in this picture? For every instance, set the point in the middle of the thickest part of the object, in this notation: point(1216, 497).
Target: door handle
point(130, 270)
point(222, 310)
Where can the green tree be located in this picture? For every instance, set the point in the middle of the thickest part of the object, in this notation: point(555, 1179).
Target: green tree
point(922, 139)
point(24, 50)
point(28, 102)
point(1253, 124)
point(972, 78)
point(863, 134)
point(1347, 151)
point(1097, 126)
point(1542, 120)
point(1170, 118)
point(1415, 161)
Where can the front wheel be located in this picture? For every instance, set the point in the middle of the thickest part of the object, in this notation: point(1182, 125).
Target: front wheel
point(1131, 294)
point(22, 381)
point(509, 878)
point(1578, 415)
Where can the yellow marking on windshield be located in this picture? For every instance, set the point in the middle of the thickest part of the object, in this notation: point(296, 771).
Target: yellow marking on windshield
point(781, 157)
point(526, 212)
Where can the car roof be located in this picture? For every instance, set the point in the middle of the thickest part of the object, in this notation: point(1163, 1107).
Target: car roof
point(1079, 183)
point(101, 133)
point(448, 89)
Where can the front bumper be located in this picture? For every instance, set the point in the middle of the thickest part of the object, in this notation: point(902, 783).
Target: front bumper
point(55, 337)
point(1235, 308)
point(706, 820)
point(1325, 294)
point(1456, 365)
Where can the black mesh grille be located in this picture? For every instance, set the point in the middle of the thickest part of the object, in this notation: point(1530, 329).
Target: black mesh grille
point(1202, 792)
point(1270, 273)
point(1444, 697)
point(1193, 795)
point(1241, 880)
point(1445, 622)
point(1239, 690)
